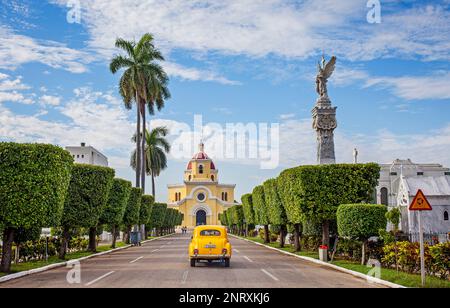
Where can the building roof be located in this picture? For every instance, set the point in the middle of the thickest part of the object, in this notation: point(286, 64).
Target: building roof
point(430, 185)
point(201, 155)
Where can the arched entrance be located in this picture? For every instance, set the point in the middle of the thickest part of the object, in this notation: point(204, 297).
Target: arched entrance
point(200, 218)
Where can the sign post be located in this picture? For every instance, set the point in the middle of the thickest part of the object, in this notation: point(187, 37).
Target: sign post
point(420, 203)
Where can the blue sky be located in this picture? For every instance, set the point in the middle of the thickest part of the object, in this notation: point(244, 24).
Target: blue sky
point(238, 61)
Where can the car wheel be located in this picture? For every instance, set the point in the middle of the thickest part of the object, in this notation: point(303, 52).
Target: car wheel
point(227, 262)
point(192, 262)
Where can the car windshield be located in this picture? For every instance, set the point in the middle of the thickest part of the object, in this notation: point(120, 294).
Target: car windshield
point(210, 233)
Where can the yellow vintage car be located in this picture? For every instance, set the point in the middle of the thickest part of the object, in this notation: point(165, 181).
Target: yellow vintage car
point(210, 243)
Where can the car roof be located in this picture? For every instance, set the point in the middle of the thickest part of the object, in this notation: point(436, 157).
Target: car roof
point(208, 227)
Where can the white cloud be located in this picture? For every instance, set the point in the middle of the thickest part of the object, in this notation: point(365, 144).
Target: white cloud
point(436, 86)
point(88, 117)
point(287, 116)
point(176, 70)
point(16, 50)
point(14, 96)
point(50, 100)
point(264, 27)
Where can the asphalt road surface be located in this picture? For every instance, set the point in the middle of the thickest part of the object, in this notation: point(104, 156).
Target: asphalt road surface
point(164, 264)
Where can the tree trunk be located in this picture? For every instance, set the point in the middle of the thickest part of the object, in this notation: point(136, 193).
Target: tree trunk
point(297, 237)
point(266, 234)
point(138, 142)
point(153, 186)
point(114, 236)
point(144, 160)
point(363, 253)
point(282, 236)
point(64, 241)
point(326, 233)
point(8, 238)
point(92, 239)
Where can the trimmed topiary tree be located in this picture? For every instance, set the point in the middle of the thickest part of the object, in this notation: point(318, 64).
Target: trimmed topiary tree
point(33, 186)
point(132, 211)
point(285, 184)
point(115, 208)
point(261, 215)
point(86, 200)
point(317, 191)
point(157, 217)
point(360, 222)
point(249, 213)
point(147, 202)
point(276, 211)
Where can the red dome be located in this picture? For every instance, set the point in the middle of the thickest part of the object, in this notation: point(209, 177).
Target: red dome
point(200, 155)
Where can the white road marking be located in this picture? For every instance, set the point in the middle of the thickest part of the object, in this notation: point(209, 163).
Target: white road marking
point(236, 250)
point(137, 259)
point(185, 275)
point(269, 274)
point(155, 250)
point(99, 278)
point(248, 259)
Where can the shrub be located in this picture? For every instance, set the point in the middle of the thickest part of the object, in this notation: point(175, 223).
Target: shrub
point(145, 209)
point(86, 200)
point(361, 221)
point(131, 216)
point(315, 192)
point(33, 186)
point(247, 205)
point(440, 255)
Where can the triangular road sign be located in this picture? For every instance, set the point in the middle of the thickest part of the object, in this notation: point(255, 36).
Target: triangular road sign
point(420, 203)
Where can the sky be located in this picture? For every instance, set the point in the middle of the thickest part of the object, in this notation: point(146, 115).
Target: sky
point(235, 61)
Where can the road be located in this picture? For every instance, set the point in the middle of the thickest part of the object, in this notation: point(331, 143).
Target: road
point(164, 264)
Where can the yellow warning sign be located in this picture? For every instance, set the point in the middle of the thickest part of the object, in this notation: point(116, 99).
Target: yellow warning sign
point(420, 203)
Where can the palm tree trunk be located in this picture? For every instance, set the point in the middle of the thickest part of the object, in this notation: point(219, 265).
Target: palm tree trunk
point(143, 166)
point(153, 186)
point(138, 142)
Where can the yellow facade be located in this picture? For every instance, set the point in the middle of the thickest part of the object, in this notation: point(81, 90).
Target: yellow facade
point(201, 198)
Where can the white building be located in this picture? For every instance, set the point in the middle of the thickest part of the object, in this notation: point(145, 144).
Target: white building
point(87, 155)
point(399, 183)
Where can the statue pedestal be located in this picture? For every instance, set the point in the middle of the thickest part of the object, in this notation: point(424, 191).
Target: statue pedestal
point(324, 123)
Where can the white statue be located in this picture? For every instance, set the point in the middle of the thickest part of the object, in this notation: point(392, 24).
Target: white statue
point(324, 72)
point(355, 156)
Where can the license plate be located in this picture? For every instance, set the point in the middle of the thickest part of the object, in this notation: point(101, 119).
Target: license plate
point(210, 246)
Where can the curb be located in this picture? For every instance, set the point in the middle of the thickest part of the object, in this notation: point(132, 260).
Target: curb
point(338, 268)
point(65, 263)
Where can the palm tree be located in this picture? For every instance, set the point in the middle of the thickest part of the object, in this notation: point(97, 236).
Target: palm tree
point(155, 153)
point(143, 82)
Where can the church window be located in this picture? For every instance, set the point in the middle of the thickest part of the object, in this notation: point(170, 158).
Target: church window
point(226, 196)
point(445, 215)
point(200, 169)
point(384, 195)
point(212, 178)
point(201, 197)
point(189, 178)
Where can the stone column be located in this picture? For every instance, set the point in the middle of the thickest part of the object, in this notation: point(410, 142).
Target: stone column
point(324, 123)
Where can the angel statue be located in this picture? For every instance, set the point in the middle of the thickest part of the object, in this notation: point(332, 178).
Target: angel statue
point(324, 72)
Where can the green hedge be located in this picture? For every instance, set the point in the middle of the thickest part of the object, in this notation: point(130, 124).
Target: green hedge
point(259, 203)
point(361, 221)
point(87, 195)
point(33, 184)
point(276, 212)
point(247, 205)
point(117, 202)
point(158, 215)
point(146, 209)
point(315, 192)
point(132, 211)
